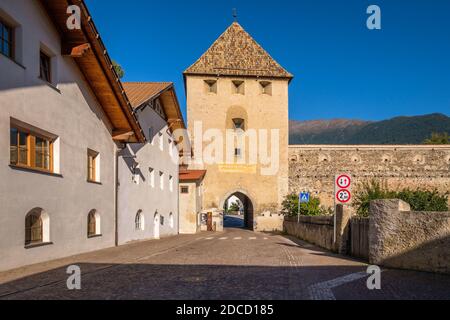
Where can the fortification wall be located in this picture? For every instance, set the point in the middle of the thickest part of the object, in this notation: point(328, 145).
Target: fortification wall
point(313, 167)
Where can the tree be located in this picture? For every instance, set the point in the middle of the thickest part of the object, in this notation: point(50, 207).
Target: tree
point(118, 68)
point(234, 207)
point(438, 138)
point(312, 208)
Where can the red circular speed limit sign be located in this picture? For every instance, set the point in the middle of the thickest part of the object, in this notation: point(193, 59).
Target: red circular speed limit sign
point(343, 181)
point(343, 196)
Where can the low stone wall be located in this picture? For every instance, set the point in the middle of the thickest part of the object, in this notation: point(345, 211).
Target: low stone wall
point(316, 230)
point(319, 230)
point(400, 238)
point(269, 222)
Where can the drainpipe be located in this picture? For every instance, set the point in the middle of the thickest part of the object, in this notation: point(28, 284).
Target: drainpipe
point(178, 199)
point(116, 195)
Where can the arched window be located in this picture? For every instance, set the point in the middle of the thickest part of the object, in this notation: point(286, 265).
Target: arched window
point(139, 221)
point(93, 224)
point(239, 124)
point(37, 227)
point(33, 229)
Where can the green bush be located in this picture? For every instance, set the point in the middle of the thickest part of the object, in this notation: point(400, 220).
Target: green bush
point(419, 200)
point(312, 208)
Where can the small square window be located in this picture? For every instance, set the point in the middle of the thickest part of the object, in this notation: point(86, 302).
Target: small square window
point(211, 86)
point(238, 87)
point(45, 67)
point(238, 152)
point(266, 87)
point(184, 190)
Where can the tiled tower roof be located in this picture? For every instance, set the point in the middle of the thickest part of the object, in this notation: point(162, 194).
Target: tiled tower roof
point(236, 53)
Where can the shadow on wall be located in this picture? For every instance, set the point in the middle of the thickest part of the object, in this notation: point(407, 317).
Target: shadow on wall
point(64, 80)
point(433, 256)
point(129, 153)
point(401, 238)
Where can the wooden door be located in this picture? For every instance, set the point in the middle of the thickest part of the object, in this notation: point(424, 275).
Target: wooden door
point(210, 221)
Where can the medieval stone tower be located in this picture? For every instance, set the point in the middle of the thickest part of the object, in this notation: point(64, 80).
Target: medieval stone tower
point(236, 86)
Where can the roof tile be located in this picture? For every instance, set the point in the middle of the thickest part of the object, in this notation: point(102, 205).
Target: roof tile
point(192, 175)
point(236, 53)
point(140, 92)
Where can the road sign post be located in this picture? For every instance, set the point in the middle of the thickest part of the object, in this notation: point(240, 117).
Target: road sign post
point(303, 197)
point(342, 195)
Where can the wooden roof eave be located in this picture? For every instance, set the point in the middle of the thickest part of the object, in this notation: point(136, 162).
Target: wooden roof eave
point(87, 49)
point(173, 111)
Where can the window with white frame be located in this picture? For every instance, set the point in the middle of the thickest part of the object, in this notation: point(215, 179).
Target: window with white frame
point(37, 227)
point(93, 224)
point(139, 221)
point(171, 147)
point(170, 183)
point(93, 166)
point(171, 220)
point(136, 177)
point(161, 180)
point(161, 141)
point(151, 177)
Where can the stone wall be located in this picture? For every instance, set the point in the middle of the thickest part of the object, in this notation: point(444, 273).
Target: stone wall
point(319, 230)
point(399, 238)
point(313, 168)
point(315, 230)
point(268, 222)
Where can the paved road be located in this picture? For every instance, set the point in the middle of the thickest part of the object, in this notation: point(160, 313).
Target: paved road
point(230, 221)
point(235, 264)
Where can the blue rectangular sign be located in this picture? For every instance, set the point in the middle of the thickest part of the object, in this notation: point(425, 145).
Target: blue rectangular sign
point(304, 197)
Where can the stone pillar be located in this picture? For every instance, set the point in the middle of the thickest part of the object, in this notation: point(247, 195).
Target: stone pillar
point(343, 216)
point(399, 238)
point(384, 220)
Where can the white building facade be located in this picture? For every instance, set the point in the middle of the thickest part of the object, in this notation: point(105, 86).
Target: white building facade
point(148, 172)
point(58, 135)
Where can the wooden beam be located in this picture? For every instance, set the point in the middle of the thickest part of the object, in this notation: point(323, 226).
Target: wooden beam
point(75, 50)
point(122, 135)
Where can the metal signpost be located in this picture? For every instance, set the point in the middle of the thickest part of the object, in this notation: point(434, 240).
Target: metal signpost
point(304, 197)
point(342, 194)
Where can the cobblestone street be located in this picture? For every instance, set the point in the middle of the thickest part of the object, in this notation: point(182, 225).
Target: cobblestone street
point(235, 264)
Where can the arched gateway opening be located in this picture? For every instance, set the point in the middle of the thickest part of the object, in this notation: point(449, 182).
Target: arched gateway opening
point(238, 211)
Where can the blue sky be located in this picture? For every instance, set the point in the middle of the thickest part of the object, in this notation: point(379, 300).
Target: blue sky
point(342, 69)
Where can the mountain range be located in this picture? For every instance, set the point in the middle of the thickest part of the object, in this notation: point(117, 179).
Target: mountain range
point(399, 130)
